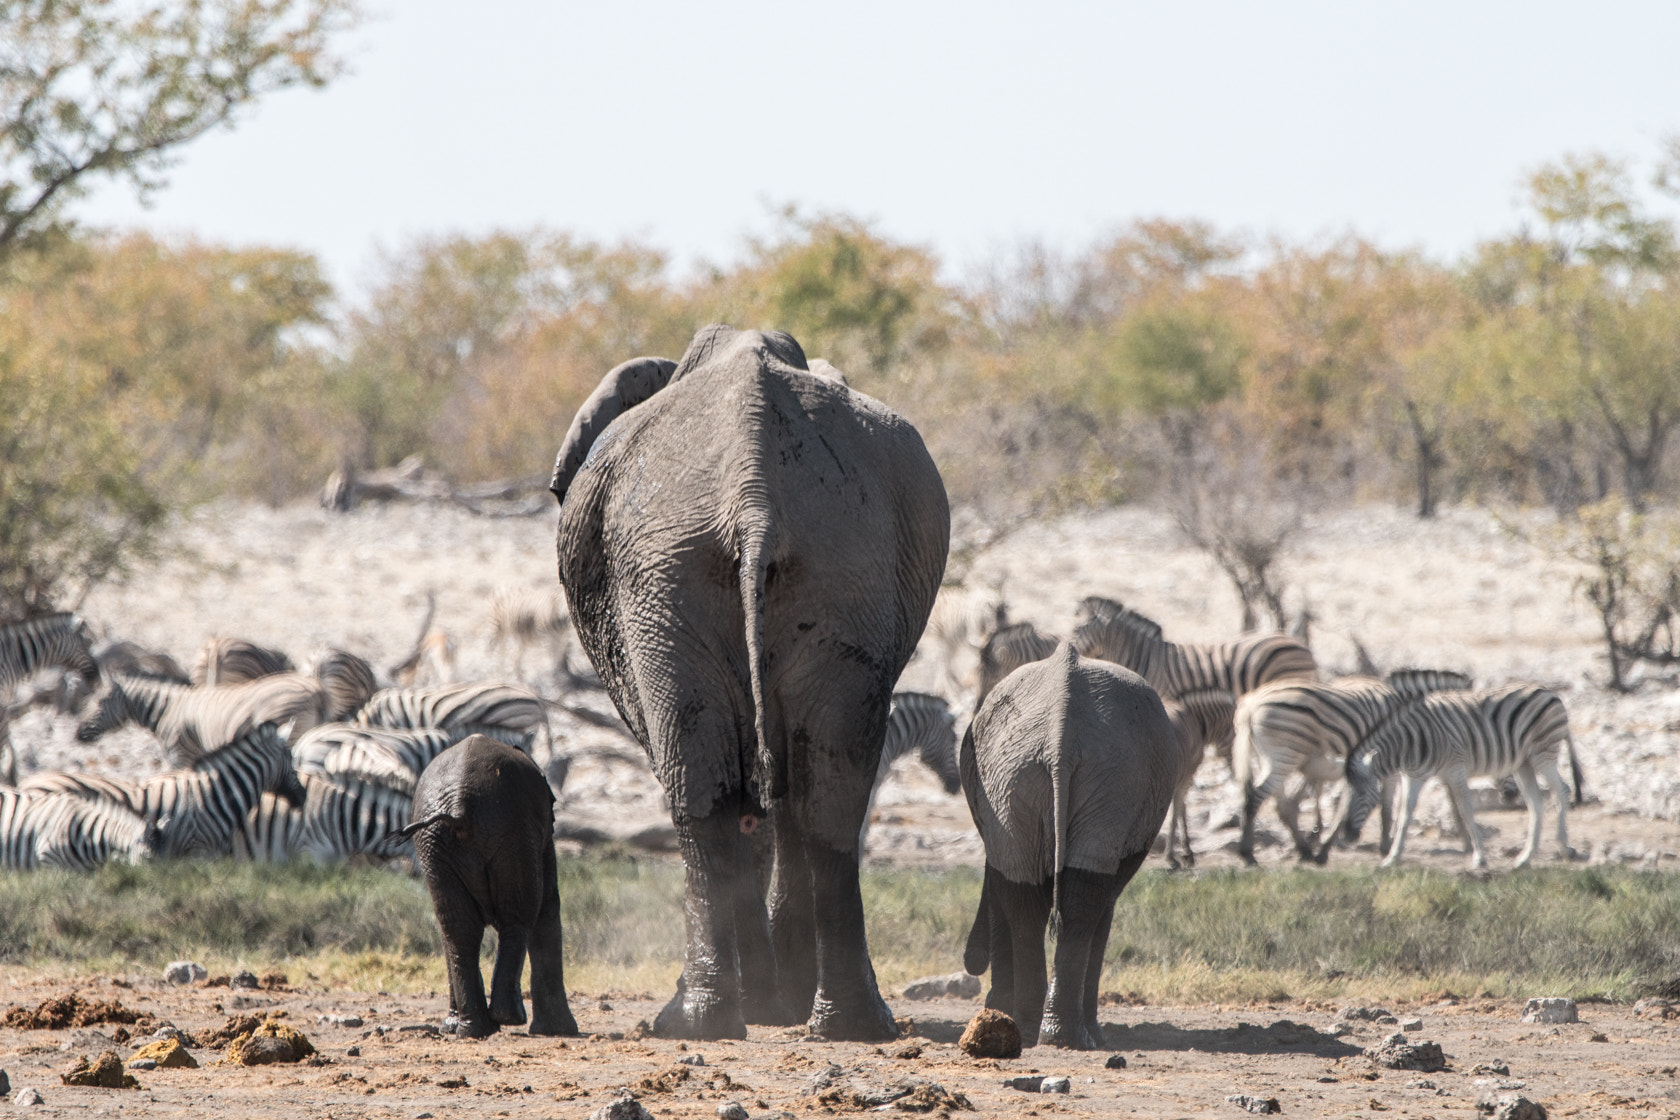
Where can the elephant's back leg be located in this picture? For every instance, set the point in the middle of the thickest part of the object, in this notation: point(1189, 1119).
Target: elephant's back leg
point(461, 921)
point(551, 1013)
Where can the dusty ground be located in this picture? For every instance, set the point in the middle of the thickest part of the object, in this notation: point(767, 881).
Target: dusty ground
point(1180, 1061)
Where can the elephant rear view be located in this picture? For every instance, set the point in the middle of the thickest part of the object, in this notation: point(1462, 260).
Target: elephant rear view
point(750, 552)
point(483, 829)
point(1069, 767)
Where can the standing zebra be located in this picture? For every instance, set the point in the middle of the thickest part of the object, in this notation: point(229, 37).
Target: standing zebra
point(1009, 648)
point(500, 711)
point(1520, 730)
point(348, 679)
point(1115, 633)
point(922, 723)
point(44, 642)
point(385, 756)
point(961, 622)
point(1197, 718)
point(1308, 728)
point(236, 660)
point(521, 617)
point(192, 721)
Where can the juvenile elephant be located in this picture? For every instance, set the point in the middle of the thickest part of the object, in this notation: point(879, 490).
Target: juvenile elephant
point(1069, 767)
point(483, 829)
point(750, 552)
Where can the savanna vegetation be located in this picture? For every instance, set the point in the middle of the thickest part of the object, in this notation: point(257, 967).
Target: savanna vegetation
point(1228, 936)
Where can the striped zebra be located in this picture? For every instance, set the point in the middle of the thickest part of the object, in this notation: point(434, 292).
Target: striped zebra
point(88, 787)
point(1308, 728)
point(521, 618)
point(501, 711)
point(236, 660)
point(393, 758)
point(1518, 730)
point(340, 818)
point(198, 811)
point(130, 659)
point(1009, 648)
point(40, 829)
point(190, 721)
point(1116, 633)
point(44, 642)
point(348, 679)
point(960, 623)
point(1197, 718)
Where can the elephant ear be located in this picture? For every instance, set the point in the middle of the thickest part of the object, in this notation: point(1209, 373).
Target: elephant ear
point(827, 369)
point(623, 388)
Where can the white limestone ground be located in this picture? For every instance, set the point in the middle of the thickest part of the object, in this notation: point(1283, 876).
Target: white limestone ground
point(1462, 592)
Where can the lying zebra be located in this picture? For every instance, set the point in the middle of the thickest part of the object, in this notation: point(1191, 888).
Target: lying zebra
point(505, 712)
point(191, 721)
point(393, 758)
point(44, 829)
point(1518, 730)
point(339, 818)
point(195, 811)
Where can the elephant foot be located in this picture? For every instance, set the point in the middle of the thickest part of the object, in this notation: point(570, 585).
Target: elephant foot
point(508, 1014)
point(767, 1011)
point(1053, 1031)
point(699, 1016)
point(873, 1022)
point(551, 1025)
point(475, 1028)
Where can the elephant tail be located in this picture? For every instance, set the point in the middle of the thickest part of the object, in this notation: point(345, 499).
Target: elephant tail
point(757, 542)
point(412, 827)
point(1059, 795)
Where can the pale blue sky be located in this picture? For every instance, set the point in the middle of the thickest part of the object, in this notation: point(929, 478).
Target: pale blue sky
point(963, 126)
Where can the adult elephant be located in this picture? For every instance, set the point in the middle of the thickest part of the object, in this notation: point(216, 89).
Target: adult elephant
point(750, 551)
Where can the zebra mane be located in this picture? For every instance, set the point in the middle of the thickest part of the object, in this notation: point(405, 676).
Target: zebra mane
point(1415, 682)
point(57, 619)
point(1135, 624)
point(1101, 609)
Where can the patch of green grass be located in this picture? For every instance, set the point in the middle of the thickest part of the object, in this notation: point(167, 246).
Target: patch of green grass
point(1212, 937)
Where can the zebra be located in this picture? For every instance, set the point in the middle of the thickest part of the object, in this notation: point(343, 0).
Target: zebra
point(1115, 633)
point(236, 660)
point(89, 787)
point(130, 659)
point(1198, 718)
point(1009, 648)
point(1517, 729)
point(384, 756)
point(961, 621)
point(521, 617)
point(198, 810)
point(1304, 727)
point(922, 723)
point(61, 830)
point(339, 819)
point(193, 721)
point(501, 711)
point(348, 679)
point(44, 642)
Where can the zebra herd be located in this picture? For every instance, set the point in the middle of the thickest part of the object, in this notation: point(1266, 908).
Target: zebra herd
point(273, 763)
point(1260, 703)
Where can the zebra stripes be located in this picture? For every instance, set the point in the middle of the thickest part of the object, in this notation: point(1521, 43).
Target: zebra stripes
point(348, 679)
point(387, 757)
point(194, 721)
point(1115, 633)
point(501, 711)
point(340, 818)
point(235, 661)
point(1009, 648)
point(924, 723)
point(40, 829)
point(44, 642)
point(1197, 718)
point(1518, 730)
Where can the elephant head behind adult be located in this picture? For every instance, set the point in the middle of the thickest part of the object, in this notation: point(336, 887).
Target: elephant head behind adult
point(750, 554)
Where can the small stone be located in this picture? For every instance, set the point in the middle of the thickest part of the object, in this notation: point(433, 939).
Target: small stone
point(1366, 1014)
point(952, 985)
point(692, 1060)
point(166, 1033)
point(243, 979)
point(1655, 1009)
point(1422, 1084)
point(185, 972)
point(603, 1005)
point(168, 1053)
point(1514, 1108)
point(142, 1063)
point(353, 1052)
point(1056, 1085)
point(1024, 1083)
point(1263, 1106)
point(1491, 1069)
point(1550, 1011)
point(731, 1111)
point(991, 1034)
point(623, 1108)
point(1411, 1024)
point(1394, 1052)
point(351, 1021)
point(1115, 1061)
point(27, 1097)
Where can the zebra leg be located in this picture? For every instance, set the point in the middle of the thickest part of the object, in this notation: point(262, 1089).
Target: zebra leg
point(1410, 787)
point(1182, 813)
point(1253, 798)
point(1536, 802)
point(1458, 789)
point(1386, 804)
point(1288, 806)
point(1554, 783)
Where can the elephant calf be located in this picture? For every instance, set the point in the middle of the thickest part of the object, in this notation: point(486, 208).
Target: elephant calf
point(1069, 767)
point(483, 829)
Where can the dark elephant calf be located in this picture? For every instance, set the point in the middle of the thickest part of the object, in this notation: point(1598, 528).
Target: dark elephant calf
point(483, 828)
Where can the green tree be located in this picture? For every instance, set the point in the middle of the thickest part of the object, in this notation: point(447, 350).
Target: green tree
point(100, 88)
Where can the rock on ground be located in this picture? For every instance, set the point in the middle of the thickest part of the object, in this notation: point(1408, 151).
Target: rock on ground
point(105, 1072)
point(1550, 1011)
point(185, 972)
point(1515, 1108)
point(954, 985)
point(624, 1108)
point(1394, 1052)
point(1263, 1106)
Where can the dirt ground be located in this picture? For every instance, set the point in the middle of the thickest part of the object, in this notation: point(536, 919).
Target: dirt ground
point(1179, 1061)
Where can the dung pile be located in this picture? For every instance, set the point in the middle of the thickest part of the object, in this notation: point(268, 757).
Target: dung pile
point(105, 1073)
point(65, 1012)
point(270, 1043)
point(991, 1034)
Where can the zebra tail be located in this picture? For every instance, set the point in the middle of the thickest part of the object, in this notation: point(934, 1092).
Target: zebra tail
point(756, 543)
point(1574, 768)
point(412, 827)
point(1242, 753)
